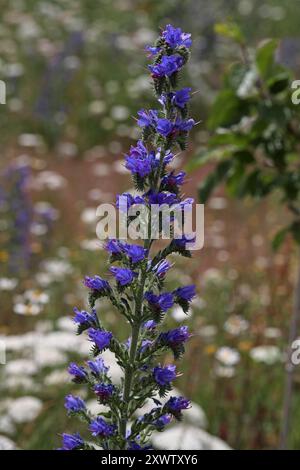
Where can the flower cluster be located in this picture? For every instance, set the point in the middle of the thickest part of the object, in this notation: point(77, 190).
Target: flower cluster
point(136, 285)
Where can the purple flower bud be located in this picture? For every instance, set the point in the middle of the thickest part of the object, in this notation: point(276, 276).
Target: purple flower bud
point(168, 65)
point(146, 343)
point(72, 441)
point(176, 404)
point(185, 293)
point(164, 127)
point(174, 37)
point(98, 367)
point(184, 126)
point(126, 200)
point(149, 325)
point(114, 247)
point(74, 404)
point(161, 268)
point(123, 276)
point(96, 283)
point(152, 51)
point(101, 338)
point(100, 428)
point(84, 318)
point(135, 253)
point(163, 376)
point(79, 373)
point(162, 198)
point(160, 303)
point(181, 97)
point(163, 421)
point(181, 242)
point(140, 161)
point(104, 391)
point(175, 337)
point(171, 180)
point(147, 118)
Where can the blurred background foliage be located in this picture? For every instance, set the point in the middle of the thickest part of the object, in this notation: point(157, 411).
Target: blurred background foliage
point(76, 74)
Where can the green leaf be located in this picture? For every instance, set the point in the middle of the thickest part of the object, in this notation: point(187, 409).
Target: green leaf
point(229, 138)
point(230, 30)
point(295, 229)
point(278, 83)
point(235, 75)
point(227, 110)
point(265, 57)
point(214, 154)
point(215, 178)
point(279, 238)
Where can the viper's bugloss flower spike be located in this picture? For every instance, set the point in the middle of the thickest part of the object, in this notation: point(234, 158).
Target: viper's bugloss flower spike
point(138, 291)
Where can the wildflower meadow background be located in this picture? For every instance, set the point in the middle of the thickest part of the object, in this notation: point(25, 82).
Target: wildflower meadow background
point(76, 75)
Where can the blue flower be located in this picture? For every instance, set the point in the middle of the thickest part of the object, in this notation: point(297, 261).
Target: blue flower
point(162, 198)
point(176, 404)
point(96, 283)
point(163, 421)
point(79, 373)
point(140, 161)
point(171, 180)
point(185, 293)
point(149, 325)
point(84, 318)
point(186, 204)
point(163, 376)
point(164, 127)
point(181, 97)
point(175, 337)
point(135, 253)
point(100, 428)
point(146, 343)
point(168, 65)
point(72, 441)
point(132, 445)
point(152, 51)
point(181, 242)
point(124, 276)
point(174, 37)
point(101, 338)
point(160, 303)
point(126, 200)
point(147, 117)
point(184, 125)
point(161, 268)
point(74, 404)
point(141, 166)
point(113, 246)
point(104, 391)
point(98, 367)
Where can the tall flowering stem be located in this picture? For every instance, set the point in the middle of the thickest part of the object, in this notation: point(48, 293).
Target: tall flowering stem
point(138, 288)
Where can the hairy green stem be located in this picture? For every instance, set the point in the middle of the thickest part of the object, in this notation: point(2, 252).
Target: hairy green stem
point(135, 328)
point(135, 331)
